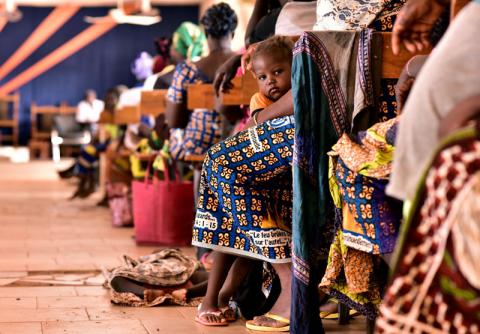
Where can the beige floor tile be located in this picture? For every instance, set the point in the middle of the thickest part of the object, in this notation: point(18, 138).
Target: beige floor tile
point(7, 281)
point(74, 237)
point(191, 327)
point(91, 291)
point(130, 326)
point(73, 302)
point(12, 265)
point(170, 314)
point(37, 291)
point(18, 303)
point(13, 274)
point(21, 328)
point(28, 315)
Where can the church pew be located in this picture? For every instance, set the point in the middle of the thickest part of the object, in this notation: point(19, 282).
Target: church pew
point(9, 105)
point(153, 102)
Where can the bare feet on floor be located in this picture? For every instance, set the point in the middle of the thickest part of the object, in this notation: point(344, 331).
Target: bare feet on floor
point(151, 295)
point(180, 295)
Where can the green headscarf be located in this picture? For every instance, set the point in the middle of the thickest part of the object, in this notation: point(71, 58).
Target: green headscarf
point(189, 40)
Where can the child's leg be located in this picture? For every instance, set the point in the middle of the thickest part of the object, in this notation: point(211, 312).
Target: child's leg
point(121, 284)
point(236, 276)
point(217, 277)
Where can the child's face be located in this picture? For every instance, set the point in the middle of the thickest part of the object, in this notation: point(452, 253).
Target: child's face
point(273, 75)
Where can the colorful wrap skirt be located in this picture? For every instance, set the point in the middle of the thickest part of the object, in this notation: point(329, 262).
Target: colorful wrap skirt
point(245, 200)
point(435, 286)
point(367, 220)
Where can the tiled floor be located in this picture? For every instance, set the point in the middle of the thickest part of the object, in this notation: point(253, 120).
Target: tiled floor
point(42, 232)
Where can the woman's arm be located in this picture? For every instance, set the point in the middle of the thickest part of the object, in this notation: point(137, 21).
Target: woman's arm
point(176, 114)
point(260, 9)
point(407, 78)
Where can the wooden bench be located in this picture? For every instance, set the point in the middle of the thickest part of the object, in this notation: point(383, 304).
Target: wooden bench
point(39, 149)
point(153, 102)
point(41, 120)
point(9, 105)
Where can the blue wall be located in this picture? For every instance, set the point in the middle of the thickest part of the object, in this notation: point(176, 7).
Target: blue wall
point(100, 65)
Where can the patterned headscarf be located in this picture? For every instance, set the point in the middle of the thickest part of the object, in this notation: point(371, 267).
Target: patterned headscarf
point(189, 40)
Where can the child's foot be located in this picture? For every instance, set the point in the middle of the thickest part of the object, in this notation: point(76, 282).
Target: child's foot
point(180, 295)
point(229, 313)
point(151, 295)
point(207, 261)
point(210, 317)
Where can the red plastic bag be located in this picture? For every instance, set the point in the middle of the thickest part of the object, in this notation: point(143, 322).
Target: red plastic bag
point(163, 210)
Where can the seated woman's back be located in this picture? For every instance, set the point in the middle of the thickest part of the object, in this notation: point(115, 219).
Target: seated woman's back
point(209, 64)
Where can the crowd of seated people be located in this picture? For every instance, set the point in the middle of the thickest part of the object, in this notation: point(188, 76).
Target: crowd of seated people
point(336, 167)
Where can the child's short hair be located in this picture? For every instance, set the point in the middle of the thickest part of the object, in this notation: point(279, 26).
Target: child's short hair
point(278, 46)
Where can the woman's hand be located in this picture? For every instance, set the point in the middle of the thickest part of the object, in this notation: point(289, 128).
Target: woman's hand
point(414, 23)
point(225, 73)
point(406, 80)
point(461, 114)
point(246, 61)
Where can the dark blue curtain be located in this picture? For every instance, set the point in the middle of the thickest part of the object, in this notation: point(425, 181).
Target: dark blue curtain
point(100, 65)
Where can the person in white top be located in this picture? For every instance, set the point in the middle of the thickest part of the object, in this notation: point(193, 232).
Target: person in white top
point(89, 109)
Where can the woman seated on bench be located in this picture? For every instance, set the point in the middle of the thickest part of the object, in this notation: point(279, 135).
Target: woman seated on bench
point(311, 237)
point(194, 133)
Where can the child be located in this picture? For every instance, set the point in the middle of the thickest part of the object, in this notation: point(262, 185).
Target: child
point(271, 64)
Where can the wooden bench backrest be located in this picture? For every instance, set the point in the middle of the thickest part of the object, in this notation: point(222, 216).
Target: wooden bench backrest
point(127, 115)
point(9, 113)
point(9, 107)
point(153, 102)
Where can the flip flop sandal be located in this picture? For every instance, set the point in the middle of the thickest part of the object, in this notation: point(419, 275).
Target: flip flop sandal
point(335, 315)
point(286, 328)
point(200, 318)
point(229, 313)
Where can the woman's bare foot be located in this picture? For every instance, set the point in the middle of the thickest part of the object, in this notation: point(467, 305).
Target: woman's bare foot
point(266, 321)
point(279, 315)
point(150, 295)
point(282, 305)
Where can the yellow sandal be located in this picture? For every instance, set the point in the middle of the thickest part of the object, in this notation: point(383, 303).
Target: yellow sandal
point(286, 328)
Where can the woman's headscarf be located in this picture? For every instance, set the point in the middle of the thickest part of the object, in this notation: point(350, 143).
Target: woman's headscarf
point(189, 40)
